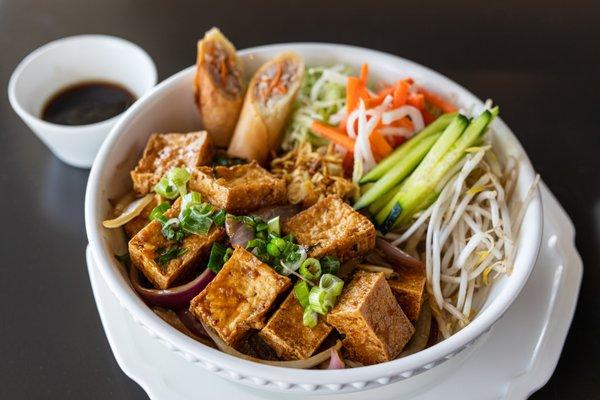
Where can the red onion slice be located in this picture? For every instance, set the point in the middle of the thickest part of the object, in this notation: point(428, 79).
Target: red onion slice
point(190, 322)
point(397, 257)
point(174, 298)
point(336, 362)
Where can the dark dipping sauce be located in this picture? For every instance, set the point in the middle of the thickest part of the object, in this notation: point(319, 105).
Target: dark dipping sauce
point(87, 103)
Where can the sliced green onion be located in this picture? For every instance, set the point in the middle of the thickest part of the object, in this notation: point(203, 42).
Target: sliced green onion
point(228, 254)
point(311, 269)
point(179, 177)
point(330, 265)
point(217, 257)
point(171, 230)
point(190, 199)
point(166, 189)
point(301, 291)
point(158, 212)
point(317, 300)
point(280, 243)
point(165, 255)
point(193, 221)
point(219, 218)
point(273, 226)
point(273, 250)
point(253, 243)
point(309, 318)
point(332, 284)
point(173, 184)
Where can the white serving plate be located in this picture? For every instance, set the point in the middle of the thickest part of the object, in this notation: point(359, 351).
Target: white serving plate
point(517, 359)
point(169, 108)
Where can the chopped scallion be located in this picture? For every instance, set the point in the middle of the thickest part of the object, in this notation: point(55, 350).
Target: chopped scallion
point(310, 269)
point(301, 291)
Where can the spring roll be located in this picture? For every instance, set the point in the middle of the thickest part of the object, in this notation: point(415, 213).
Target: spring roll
point(219, 86)
point(268, 103)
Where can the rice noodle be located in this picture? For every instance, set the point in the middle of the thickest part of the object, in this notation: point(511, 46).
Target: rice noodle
point(468, 234)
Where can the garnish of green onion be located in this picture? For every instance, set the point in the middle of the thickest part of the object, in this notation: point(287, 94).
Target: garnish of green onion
point(158, 212)
point(274, 226)
point(165, 255)
point(309, 318)
point(317, 299)
point(173, 184)
point(301, 291)
point(310, 269)
point(330, 265)
point(331, 284)
point(219, 254)
point(171, 231)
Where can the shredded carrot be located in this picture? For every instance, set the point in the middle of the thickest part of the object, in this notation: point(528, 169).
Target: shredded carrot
point(275, 81)
point(437, 101)
point(403, 123)
point(352, 94)
point(416, 100)
point(383, 93)
point(381, 148)
point(223, 70)
point(333, 134)
point(400, 93)
point(364, 72)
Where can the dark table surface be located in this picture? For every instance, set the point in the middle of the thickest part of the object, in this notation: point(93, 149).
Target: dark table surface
point(540, 62)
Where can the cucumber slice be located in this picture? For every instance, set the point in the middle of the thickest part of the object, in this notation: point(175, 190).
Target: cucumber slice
point(415, 183)
point(383, 200)
point(398, 172)
point(386, 164)
point(420, 192)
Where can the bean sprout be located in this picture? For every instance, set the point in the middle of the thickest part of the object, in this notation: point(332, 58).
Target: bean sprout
point(468, 236)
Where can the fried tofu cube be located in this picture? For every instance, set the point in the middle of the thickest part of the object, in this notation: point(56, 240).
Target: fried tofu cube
point(286, 334)
point(136, 224)
point(146, 246)
point(167, 150)
point(375, 327)
point(332, 228)
point(409, 290)
point(240, 188)
point(239, 297)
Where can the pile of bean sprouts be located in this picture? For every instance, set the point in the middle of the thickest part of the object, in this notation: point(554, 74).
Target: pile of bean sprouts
point(467, 236)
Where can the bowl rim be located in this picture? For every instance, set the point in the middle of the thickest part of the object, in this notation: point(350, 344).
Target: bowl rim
point(144, 315)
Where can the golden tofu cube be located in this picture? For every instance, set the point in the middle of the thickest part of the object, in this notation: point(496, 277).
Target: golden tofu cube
point(287, 335)
point(146, 245)
point(240, 188)
point(332, 228)
point(375, 327)
point(409, 290)
point(239, 297)
point(167, 150)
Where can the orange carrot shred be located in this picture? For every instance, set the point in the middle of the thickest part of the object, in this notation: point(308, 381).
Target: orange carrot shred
point(400, 93)
point(381, 148)
point(364, 72)
point(331, 133)
point(438, 101)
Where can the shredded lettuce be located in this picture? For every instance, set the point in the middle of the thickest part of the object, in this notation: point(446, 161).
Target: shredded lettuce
point(323, 94)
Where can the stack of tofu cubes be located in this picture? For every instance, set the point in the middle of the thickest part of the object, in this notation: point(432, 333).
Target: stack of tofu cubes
point(248, 295)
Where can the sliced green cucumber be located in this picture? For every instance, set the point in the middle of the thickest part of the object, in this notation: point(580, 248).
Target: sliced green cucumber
point(397, 173)
point(386, 164)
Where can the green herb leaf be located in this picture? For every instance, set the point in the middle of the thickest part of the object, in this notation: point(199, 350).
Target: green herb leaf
point(219, 254)
point(171, 230)
point(158, 212)
point(330, 265)
point(165, 255)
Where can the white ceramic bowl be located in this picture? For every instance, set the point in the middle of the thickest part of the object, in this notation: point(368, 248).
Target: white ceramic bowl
point(68, 61)
point(169, 108)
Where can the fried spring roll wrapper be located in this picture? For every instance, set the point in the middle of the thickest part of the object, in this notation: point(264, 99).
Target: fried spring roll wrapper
point(219, 88)
point(268, 103)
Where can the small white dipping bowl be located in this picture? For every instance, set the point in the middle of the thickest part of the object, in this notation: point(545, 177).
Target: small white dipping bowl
point(68, 61)
point(170, 108)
